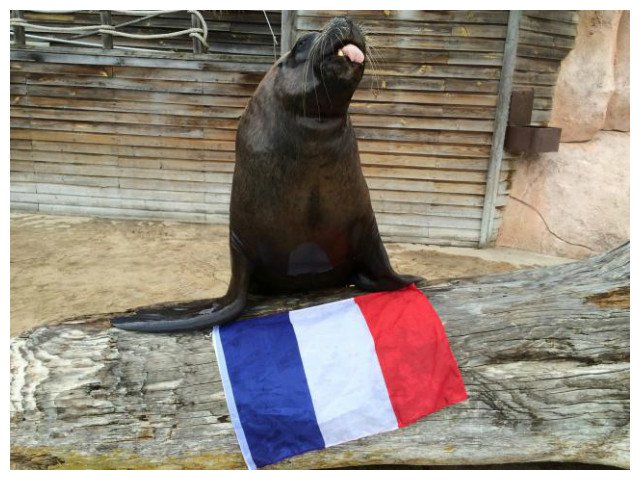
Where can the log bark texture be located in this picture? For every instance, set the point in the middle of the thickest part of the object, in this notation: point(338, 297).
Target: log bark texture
point(544, 354)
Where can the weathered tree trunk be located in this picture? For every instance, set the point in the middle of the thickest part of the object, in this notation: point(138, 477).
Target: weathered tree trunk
point(544, 354)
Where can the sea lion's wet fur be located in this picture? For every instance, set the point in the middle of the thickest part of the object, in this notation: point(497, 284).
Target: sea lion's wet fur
point(301, 215)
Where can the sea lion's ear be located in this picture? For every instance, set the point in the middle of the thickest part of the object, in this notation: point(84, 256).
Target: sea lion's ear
point(300, 51)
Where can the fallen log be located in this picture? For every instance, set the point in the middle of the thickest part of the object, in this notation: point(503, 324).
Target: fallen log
point(544, 354)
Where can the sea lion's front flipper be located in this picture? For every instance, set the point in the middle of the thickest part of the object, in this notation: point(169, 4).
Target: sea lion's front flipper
point(374, 272)
point(175, 319)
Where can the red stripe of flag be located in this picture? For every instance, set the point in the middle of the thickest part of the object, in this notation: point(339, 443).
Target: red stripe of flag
point(420, 371)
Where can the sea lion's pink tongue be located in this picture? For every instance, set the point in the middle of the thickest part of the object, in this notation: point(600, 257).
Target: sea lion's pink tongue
point(353, 53)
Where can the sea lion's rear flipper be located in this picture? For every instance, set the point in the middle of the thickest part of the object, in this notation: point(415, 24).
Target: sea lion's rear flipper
point(179, 319)
point(374, 272)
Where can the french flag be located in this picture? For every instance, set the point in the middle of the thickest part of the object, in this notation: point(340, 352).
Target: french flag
point(312, 378)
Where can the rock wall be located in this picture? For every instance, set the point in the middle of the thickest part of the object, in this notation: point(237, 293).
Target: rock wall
point(618, 109)
point(575, 202)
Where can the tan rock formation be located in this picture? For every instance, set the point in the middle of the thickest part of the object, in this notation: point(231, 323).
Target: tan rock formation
point(618, 108)
point(586, 80)
point(572, 203)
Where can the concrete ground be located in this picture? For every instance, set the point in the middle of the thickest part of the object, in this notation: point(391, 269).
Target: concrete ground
point(63, 267)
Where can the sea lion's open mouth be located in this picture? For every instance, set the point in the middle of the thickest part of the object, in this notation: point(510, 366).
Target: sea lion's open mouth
point(352, 52)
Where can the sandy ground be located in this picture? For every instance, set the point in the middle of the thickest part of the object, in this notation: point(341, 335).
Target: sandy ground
point(63, 267)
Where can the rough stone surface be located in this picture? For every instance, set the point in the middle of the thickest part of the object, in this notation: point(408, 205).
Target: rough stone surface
point(618, 109)
point(586, 79)
point(572, 203)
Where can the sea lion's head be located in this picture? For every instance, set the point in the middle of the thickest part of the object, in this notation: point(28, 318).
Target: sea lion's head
point(318, 76)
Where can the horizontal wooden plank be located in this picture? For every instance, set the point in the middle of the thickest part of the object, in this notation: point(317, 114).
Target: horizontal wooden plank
point(389, 207)
point(567, 16)
point(142, 85)
point(542, 103)
point(458, 176)
point(411, 185)
point(170, 19)
point(547, 40)
point(411, 220)
point(16, 67)
point(136, 73)
point(206, 76)
point(451, 124)
point(434, 137)
point(17, 89)
point(374, 81)
point(548, 26)
point(128, 129)
point(419, 148)
point(130, 107)
point(23, 207)
point(127, 183)
point(427, 198)
point(524, 77)
point(120, 172)
point(160, 163)
point(425, 69)
point(123, 150)
point(64, 179)
point(122, 203)
point(428, 232)
point(406, 27)
point(538, 65)
point(23, 187)
point(498, 17)
point(75, 95)
point(173, 60)
point(117, 192)
point(541, 117)
point(425, 161)
point(436, 98)
point(130, 140)
point(429, 241)
point(165, 119)
point(538, 51)
point(132, 213)
point(413, 110)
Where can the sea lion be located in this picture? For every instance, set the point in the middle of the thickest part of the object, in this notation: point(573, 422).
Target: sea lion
point(300, 213)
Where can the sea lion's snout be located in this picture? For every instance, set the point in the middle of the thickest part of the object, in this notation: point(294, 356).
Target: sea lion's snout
point(321, 72)
point(342, 37)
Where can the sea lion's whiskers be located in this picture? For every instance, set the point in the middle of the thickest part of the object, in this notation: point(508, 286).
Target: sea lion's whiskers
point(374, 70)
point(315, 51)
point(324, 84)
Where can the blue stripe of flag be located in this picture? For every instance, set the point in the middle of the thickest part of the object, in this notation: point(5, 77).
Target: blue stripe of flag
point(270, 389)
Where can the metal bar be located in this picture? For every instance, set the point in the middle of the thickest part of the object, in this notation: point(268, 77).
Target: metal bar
point(195, 23)
point(286, 30)
point(20, 39)
point(500, 126)
point(105, 19)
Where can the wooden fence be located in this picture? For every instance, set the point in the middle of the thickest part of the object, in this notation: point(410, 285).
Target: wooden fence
point(151, 135)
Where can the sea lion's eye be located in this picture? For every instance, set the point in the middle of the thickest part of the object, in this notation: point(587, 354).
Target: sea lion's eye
point(300, 51)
